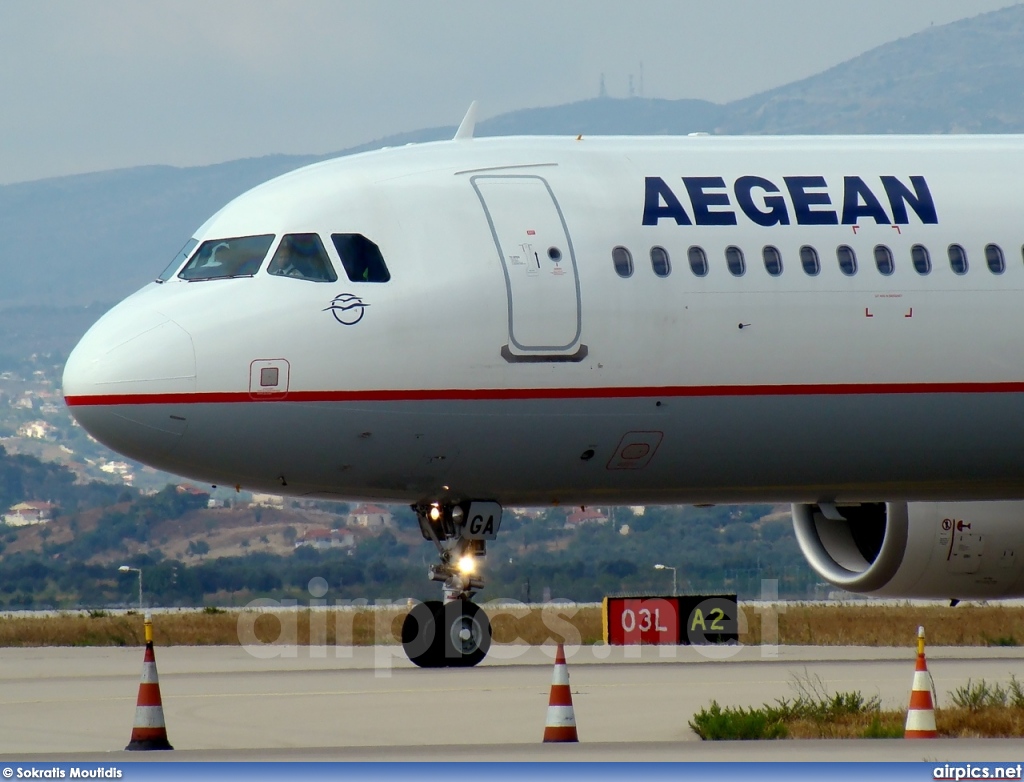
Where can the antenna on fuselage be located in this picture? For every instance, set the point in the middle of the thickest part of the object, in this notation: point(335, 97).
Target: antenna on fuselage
point(465, 131)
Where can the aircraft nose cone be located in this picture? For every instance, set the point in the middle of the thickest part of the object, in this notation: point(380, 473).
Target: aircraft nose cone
point(121, 379)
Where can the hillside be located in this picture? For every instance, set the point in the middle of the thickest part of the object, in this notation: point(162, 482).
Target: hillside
point(966, 77)
point(193, 555)
point(75, 241)
point(96, 536)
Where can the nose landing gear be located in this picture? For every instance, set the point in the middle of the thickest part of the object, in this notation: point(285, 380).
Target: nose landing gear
point(454, 633)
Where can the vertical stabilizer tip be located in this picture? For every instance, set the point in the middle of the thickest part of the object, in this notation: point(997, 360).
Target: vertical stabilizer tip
point(465, 131)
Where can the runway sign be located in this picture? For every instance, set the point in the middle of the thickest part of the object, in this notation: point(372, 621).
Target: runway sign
point(659, 621)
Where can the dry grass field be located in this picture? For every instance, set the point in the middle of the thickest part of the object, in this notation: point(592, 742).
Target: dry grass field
point(824, 625)
point(885, 625)
point(951, 722)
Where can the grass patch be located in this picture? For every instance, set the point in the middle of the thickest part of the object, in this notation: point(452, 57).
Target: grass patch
point(213, 626)
point(980, 710)
point(812, 713)
point(989, 722)
point(1003, 640)
point(730, 724)
point(889, 726)
point(857, 625)
point(871, 624)
point(980, 695)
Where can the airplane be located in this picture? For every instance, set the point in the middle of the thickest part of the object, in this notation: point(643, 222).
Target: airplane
point(479, 323)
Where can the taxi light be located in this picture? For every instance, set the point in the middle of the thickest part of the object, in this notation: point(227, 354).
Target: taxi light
point(467, 565)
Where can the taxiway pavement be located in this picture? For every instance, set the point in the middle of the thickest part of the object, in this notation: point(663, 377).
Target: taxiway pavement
point(634, 703)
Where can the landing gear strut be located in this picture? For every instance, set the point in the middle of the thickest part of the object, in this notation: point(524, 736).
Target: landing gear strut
point(456, 632)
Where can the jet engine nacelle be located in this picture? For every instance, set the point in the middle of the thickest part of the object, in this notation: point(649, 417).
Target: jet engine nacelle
point(954, 550)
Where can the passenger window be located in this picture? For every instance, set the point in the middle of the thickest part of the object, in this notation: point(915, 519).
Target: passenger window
point(623, 260)
point(699, 261)
point(957, 259)
point(179, 259)
point(994, 259)
point(809, 260)
point(219, 259)
point(303, 257)
point(734, 260)
point(772, 260)
point(361, 258)
point(847, 260)
point(884, 260)
point(660, 262)
point(921, 259)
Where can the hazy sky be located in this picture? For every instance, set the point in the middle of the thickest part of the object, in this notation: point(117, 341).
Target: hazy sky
point(89, 85)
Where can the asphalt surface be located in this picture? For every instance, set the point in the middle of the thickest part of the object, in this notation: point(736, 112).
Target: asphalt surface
point(228, 703)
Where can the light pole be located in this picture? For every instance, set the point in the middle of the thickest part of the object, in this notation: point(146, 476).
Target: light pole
point(664, 567)
point(129, 569)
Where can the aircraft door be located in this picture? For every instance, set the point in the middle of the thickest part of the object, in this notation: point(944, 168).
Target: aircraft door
point(539, 264)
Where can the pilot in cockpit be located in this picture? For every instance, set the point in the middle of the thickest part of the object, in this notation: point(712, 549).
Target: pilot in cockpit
point(302, 256)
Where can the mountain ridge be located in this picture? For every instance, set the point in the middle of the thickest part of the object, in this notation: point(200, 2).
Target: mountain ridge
point(96, 237)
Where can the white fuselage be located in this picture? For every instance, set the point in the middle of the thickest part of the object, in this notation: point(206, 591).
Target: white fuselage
point(489, 367)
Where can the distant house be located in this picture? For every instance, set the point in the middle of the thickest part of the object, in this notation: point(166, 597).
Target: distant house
point(266, 501)
point(37, 430)
point(121, 469)
point(526, 513)
point(25, 513)
point(371, 517)
point(325, 538)
point(588, 516)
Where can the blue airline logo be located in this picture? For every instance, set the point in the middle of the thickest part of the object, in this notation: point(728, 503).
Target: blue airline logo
point(810, 202)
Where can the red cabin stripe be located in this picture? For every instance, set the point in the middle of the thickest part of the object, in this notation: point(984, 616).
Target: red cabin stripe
point(500, 394)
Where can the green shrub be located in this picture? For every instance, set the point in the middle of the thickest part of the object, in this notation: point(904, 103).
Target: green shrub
point(729, 724)
point(1016, 693)
point(981, 695)
point(813, 704)
point(1001, 640)
point(878, 730)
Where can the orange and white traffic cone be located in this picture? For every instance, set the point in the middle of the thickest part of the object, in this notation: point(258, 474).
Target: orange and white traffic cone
point(149, 731)
point(561, 722)
point(921, 714)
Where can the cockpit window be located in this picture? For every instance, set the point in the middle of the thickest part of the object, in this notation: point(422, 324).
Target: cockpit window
point(217, 259)
point(303, 257)
point(361, 258)
point(179, 259)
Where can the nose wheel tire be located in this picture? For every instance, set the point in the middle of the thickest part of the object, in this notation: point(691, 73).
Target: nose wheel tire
point(452, 635)
point(423, 644)
point(468, 634)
